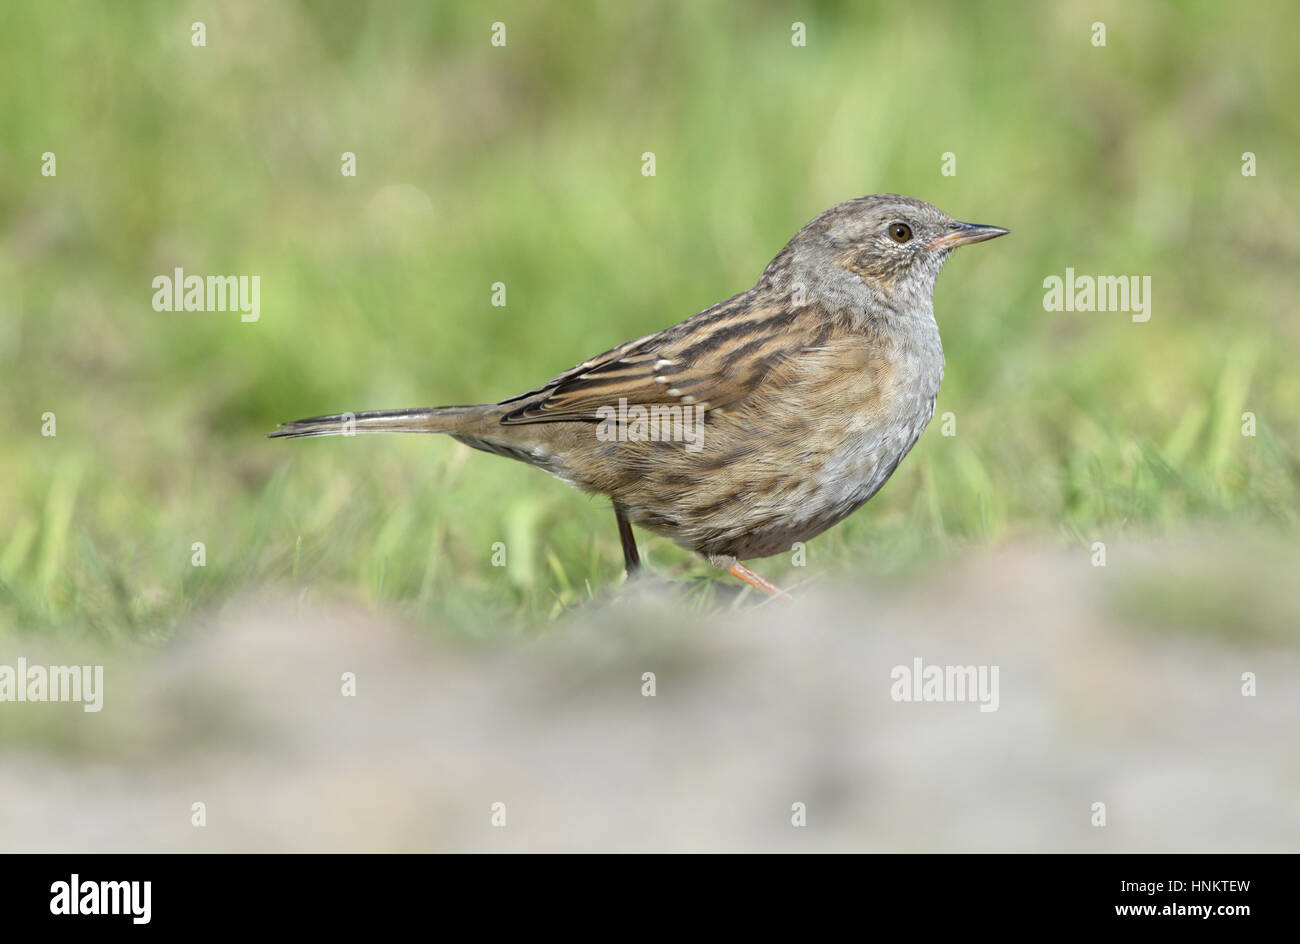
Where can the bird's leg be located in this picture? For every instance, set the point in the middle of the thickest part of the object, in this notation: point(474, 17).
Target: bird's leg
point(631, 559)
point(762, 583)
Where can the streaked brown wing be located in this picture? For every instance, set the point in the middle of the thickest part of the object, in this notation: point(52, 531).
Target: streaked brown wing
point(714, 360)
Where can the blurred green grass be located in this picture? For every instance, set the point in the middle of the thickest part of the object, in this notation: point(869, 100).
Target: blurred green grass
point(522, 164)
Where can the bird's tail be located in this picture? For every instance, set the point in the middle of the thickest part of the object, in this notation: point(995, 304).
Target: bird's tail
point(440, 419)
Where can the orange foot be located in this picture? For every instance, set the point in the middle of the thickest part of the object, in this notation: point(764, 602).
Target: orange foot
point(762, 583)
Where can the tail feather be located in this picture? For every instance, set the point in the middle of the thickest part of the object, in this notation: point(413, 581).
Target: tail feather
point(442, 419)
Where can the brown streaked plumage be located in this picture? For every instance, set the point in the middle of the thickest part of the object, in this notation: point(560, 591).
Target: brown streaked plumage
point(813, 386)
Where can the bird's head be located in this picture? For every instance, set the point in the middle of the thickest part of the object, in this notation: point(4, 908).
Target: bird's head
point(895, 245)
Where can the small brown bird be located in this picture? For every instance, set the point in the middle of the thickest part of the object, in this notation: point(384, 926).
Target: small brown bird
point(757, 423)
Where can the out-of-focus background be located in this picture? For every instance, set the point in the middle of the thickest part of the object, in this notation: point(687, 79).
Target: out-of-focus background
point(1120, 725)
point(522, 164)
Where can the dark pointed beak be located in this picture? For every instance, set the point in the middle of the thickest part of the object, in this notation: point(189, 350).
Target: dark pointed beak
point(959, 234)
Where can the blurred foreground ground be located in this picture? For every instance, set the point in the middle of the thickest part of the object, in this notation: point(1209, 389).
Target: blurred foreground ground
point(1119, 684)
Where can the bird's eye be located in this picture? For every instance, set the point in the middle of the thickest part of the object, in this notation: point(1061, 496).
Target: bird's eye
point(900, 232)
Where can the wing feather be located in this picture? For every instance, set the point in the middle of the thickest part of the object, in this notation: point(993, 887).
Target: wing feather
point(714, 359)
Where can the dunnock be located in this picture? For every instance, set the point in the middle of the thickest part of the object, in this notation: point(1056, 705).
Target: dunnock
point(811, 387)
